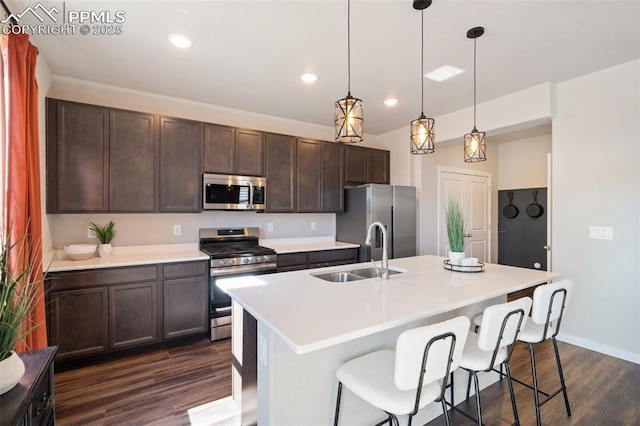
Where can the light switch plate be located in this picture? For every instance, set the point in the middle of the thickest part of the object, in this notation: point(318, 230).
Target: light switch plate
point(601, 233)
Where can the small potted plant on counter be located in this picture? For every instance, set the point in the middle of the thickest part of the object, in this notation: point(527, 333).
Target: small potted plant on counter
point(105, 235)
point(455, 231)
point(19, 294)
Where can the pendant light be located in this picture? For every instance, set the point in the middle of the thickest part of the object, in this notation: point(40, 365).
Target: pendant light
point(422, 128)
point(348, 114)
point(475, 143)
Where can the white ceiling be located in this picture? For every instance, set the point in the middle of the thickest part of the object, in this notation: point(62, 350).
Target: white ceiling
point(248, 55)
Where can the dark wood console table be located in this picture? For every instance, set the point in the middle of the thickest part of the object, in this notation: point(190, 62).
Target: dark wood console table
point(31, 401)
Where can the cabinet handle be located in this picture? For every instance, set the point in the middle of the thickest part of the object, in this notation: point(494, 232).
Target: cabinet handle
point(468, 235)
point(44, 396)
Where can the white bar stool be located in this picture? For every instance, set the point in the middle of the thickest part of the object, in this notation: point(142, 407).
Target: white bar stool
point(549, 302)
point(492, 346)
point(403, 381)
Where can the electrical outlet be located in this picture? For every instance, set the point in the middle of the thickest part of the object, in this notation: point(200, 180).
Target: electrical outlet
point(262, 349)
point(177, 229)
point(89, 233)
point(270, 227)
point(313, 225)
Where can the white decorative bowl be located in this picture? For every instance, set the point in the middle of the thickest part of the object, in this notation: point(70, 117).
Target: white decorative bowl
point(80, 251)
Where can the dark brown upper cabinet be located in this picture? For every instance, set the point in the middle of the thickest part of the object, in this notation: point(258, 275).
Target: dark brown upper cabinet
point(228, 150)
point(280, 169)
point(133, 165)
point(355, 164)
point(77, 157)
point(180, 165)
point(366, 165)
point(332, 177)
point(378, 166)
point(309, 176)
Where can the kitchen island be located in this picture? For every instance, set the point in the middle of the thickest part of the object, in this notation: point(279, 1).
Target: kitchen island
point(306, 327)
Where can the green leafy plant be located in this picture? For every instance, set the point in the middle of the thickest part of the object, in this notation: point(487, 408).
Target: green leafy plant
point(105, 233)
point(19, 294)
point(455, 226)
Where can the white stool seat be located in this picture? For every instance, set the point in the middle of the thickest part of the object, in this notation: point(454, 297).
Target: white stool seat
point(534, 333)
point(372, 378)
point(474, 358)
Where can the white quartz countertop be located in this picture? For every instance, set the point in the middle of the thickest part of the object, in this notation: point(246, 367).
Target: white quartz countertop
point(310, 314)
point(129, 256)
point(295, 245)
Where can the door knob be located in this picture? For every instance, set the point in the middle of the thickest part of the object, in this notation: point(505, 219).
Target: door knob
point(547, 248)
point(468, 235)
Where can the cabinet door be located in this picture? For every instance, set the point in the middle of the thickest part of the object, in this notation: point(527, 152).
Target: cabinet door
point(308, 176)
point(133, 314)
point(377, 166)
point(185, 307)
point(77, 321)
point(332, 177)
point(280, 161)
point(77, 157)
point(219, 151)
point(249, 157)
point(180, 166)
point(133, 167)
point(355, 164)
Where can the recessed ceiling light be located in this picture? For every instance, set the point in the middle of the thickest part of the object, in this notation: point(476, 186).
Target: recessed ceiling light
point(443, 73)
point(180, 40)
point(308, 77)
point(390, 102)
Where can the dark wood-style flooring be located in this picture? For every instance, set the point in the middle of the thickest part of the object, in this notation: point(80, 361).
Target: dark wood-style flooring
point(157, 388)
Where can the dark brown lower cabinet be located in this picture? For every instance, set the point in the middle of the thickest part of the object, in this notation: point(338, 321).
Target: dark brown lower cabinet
point(316, 259)
point(184, 291)
point(78, 321)
point(133, 314)
point(98, 311)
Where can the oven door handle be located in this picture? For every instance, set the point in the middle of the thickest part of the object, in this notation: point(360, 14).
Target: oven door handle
point(242, 269)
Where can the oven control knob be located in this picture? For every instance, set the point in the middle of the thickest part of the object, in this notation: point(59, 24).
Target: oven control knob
point(259, 259)
point(221, 262)
point(230, 262)
point(268, 258)
point(245, 260)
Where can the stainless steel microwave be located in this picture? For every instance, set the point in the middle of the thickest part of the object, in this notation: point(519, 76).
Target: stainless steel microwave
point(231, 192)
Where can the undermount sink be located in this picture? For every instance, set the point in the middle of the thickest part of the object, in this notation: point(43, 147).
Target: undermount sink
point(355, 275)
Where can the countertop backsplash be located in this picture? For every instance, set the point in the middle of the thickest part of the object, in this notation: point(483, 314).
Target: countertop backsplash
point(158, 228)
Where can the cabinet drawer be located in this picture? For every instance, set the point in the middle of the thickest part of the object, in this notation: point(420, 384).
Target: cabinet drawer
point(331, 256)
point(42, 403)
point(185, 269)
point(292, 259)
point(100, 277)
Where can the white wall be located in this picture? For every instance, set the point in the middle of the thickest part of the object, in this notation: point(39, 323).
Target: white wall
point(596, 181)
point(523, 163)
point(140, 229)
point(43, 78)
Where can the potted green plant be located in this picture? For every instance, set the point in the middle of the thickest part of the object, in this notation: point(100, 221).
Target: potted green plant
point(19, 294)
point(455, 231)
point(105, 235)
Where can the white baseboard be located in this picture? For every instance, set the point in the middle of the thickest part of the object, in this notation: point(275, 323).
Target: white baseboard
point(599, 347)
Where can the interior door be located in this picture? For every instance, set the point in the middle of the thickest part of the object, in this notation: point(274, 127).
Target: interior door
point(473, 193)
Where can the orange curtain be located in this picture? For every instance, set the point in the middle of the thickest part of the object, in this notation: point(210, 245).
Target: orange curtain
point(23, 207)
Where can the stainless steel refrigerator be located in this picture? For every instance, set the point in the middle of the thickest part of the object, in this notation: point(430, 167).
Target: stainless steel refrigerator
point(393, 205)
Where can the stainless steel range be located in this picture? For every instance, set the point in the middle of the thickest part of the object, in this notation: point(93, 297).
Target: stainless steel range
point(234, 252)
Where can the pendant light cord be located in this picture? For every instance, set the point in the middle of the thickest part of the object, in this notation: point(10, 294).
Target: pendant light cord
point(422, 64)
point(349, 46)
point(474, 83)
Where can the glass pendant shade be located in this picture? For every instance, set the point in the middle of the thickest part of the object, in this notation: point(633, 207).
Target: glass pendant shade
point(349, 120)
point(423, 135)
point(475, 146)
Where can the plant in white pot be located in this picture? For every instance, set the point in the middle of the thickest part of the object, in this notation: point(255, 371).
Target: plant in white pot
point(455, 231)
point(19, 294)
point(105, 235)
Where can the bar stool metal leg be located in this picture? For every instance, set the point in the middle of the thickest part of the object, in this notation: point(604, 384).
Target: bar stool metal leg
point(563, 386)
